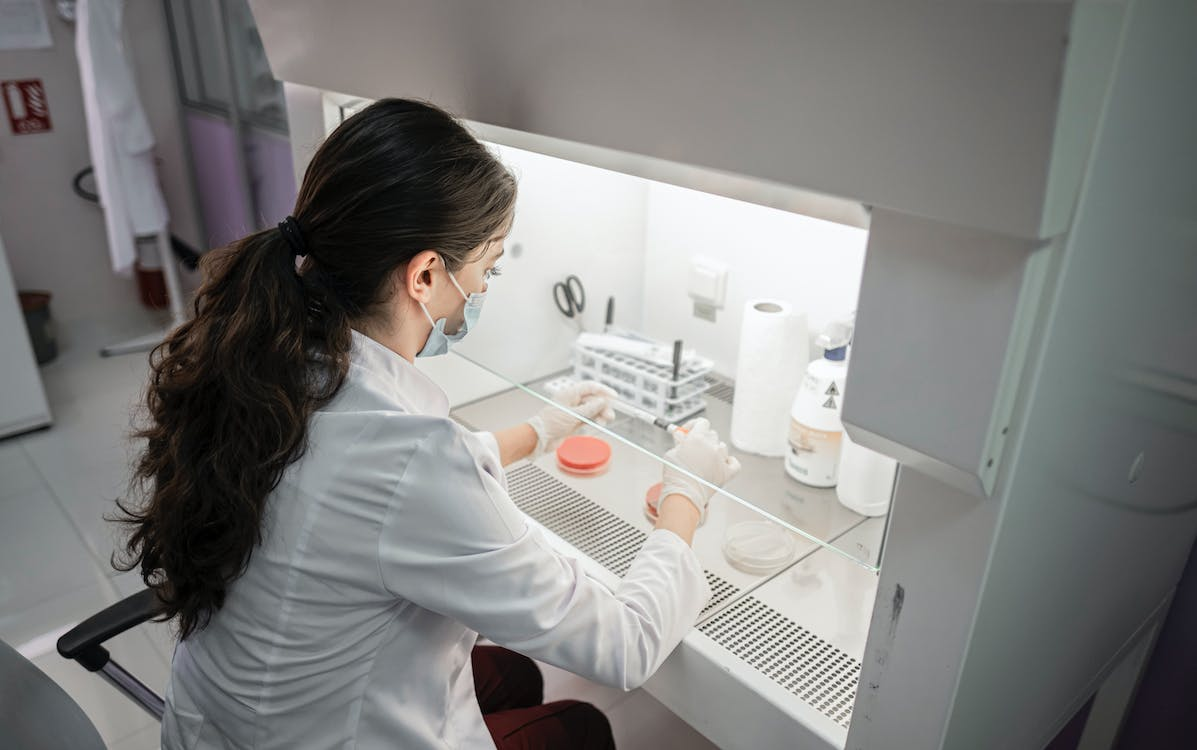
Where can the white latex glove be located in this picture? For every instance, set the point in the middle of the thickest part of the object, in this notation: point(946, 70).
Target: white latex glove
point(699, 451)
point(588, 399)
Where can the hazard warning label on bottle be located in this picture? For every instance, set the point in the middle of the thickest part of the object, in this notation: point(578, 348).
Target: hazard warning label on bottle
point(814, 454)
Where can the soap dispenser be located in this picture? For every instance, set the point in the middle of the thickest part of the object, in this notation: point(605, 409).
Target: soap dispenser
point(816, 432)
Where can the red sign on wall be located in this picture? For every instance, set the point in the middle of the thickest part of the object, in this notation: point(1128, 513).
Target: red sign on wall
point(28, 111)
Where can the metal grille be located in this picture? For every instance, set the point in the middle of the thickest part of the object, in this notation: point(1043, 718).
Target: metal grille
point(602, 535)
point(721, 591)
point(720, 389)
point(820, 674)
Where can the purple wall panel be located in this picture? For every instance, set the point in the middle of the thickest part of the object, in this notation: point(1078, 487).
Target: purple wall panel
point(219, 185)
point(221, 194)
point(269, 160)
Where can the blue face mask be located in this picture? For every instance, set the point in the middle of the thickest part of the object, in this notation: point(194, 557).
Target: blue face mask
point(439, 341)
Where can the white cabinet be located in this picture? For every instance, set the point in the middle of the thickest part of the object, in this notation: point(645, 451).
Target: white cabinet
point(23, 404)
point(1024, 325)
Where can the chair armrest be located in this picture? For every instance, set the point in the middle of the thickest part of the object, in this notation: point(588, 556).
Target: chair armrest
point(83, 643)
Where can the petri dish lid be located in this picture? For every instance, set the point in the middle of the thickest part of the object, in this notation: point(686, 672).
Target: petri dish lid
point(583, 453)
point(758, 547)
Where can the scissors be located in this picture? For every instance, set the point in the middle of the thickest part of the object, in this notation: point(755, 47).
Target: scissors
point(570, 296)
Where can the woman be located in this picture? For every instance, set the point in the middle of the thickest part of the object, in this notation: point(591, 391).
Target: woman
point(331, 543)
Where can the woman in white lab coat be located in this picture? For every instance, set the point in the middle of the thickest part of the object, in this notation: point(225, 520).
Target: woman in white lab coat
point(332, 544)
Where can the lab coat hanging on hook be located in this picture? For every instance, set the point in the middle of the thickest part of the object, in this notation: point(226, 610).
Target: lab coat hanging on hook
point(118, 132)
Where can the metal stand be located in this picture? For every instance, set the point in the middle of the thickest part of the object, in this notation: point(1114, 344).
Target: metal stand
point(117, 676)
point(174, 295)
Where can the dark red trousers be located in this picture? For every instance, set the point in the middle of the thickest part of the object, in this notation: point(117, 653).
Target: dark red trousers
point(510, 690)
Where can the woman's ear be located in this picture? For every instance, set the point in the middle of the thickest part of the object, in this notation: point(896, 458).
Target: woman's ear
point(417, 275)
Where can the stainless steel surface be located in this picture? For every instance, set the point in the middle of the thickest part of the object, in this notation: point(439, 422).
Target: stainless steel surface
point(762, 482)
point(803, 627)
point(822, 676)
point(866, 541)
point(620, 490)
point(907, 104)
point(944, 321)
point(721, 389)
point(116, 675)
point(591, 529)
point(806, 628)
point(827, 595)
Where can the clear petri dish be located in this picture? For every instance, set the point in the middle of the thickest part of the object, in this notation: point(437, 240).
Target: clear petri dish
point(758, 547)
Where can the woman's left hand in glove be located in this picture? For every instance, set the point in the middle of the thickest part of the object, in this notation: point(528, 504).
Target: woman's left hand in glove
point(587, 399)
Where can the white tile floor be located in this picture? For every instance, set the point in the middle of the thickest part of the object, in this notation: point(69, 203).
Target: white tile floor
point(56, 486)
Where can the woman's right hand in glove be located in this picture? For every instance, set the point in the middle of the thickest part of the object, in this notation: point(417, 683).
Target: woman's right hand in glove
point(699, 452)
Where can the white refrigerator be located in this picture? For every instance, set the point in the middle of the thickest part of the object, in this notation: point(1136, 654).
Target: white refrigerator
point(23, 405)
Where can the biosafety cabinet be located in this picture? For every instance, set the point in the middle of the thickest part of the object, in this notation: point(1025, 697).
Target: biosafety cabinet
point(1005, 194)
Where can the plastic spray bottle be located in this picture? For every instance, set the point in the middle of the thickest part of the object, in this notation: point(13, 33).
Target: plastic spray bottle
point(816, 432)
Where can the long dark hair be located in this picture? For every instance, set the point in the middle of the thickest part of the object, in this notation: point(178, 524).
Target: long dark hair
point(231, 390)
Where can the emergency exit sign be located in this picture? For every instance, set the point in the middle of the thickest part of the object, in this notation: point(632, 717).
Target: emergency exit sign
point(26, 105)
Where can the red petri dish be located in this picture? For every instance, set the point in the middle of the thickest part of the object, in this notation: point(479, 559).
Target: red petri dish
point(583, 454)
point(650, 501)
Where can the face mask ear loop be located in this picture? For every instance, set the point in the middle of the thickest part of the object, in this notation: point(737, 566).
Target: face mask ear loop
point(452, 278)
point(427, 315)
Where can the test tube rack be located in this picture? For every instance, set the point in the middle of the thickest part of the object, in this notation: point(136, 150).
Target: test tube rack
point(647, 385)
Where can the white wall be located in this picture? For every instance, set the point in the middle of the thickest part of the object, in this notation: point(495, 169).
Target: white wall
point(818, 269)
point(570, 219)
point(55, 240)
point(631, 238)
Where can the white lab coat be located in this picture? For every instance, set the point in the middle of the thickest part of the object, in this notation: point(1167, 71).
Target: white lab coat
point(387, 549)
point(118, 133)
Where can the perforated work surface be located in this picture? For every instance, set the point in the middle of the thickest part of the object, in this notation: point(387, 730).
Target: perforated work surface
point(821, 675)
point(602, 535)
point(720, 389)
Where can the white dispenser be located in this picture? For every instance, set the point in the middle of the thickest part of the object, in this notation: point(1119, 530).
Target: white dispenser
point(865, 479)
point(816, 432)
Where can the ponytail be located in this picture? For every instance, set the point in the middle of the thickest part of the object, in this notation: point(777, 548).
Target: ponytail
point(231, 391)
point(228, 401)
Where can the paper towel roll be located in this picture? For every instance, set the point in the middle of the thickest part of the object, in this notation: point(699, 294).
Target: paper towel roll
point(773, 356)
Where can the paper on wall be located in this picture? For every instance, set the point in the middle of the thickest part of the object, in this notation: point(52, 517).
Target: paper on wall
point(23, 25)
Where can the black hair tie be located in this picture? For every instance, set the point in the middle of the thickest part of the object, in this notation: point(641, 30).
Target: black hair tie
point(289, 228)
